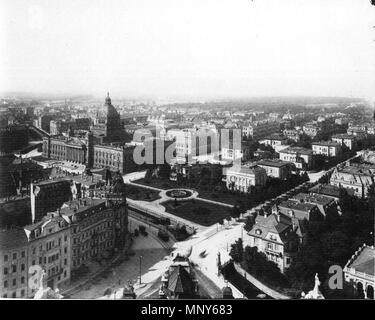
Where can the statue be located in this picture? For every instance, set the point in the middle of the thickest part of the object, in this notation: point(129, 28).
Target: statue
point(314, 293)
point(45, 292)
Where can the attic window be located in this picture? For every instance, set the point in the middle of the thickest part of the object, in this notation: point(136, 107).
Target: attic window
point(258, 231)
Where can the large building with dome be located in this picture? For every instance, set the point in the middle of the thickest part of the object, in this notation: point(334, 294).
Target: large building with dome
point(107, 128)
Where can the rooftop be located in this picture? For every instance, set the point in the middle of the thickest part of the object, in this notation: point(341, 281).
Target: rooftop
point(364, 260)
point(295, 205)
point(326, 143)
point(13, 238)
point(273, 163)
point(294, 150)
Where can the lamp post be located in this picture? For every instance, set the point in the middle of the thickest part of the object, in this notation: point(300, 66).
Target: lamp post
point(140, 269)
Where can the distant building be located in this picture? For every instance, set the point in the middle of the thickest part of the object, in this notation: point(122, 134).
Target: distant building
point(301, 157)
point(260, 129)
point(345, 139)
point(311, 129)
point(274, 140)
point(85, 151)
point(47, 196)
point(292, 134)
point(277, 168)
point(330, 149)
point(356, 178)
point(108, 128)
point(44, 122)
point(242, 178)
point(359, 272)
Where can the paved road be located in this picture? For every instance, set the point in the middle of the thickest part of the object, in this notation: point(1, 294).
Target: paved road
point(154, 257)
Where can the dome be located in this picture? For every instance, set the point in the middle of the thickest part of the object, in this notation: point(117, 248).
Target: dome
point(108, 100)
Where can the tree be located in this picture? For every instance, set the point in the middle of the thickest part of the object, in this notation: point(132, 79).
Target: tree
point(235, 212)
point(236, 251)
point(250, 221)
point(164, 171)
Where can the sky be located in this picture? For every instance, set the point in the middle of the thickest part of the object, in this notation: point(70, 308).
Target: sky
point(188, 48)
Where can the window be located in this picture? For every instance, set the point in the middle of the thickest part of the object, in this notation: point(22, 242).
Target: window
point(23, 280)
point(14, 268)
point(5, 258)
point(14, 282)
point(14, 256)
point(22, 293)
point(5, 296)
point(5, 284)
point(14, 295)
point(5, 270)
point(23, 254)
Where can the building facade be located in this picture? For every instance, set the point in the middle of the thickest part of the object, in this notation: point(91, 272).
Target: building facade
point(277, 168)
point(359, 272)
point(241, 178)
point(301, 157)
point(329, 149)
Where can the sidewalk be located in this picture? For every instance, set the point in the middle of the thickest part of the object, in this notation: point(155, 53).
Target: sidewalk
point(83, 281)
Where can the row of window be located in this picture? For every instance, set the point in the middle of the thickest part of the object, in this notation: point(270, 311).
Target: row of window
point(14, 256)
point(14, 294)
point(14, 269)
point(14, 282)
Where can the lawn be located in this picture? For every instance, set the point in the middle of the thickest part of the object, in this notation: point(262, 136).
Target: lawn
point(139, 193)
point(197, 211)
point(164, 184)
point(205, 193)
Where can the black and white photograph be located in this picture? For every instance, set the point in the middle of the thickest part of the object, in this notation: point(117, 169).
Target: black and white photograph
point(209, 151)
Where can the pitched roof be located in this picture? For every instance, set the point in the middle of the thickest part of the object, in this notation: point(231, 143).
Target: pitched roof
point(180, 282)
point(364, 261)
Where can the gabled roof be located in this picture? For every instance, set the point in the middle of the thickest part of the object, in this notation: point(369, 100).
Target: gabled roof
point(180, 282)
point(363, 260)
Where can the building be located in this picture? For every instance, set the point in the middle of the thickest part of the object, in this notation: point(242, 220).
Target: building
point(277, 236)
point(98, 228)
point(107, 128)
point(300, 210)
point(329, 149)
point(14, 264)
point(47, 196)
point(260, 129)
point(179, 281)
point(359, 272)
point(358, 178)
point(49, 248)
point(368, 156)
point(43, 122)
point(66, 148)
point(242, 178)
point(325, 204)
point(345, 139)
point(274, 140)
point(311, 129)
point(115, 158)
point(85, 151)
point(277, 168)
point(328, 190)
point(195, 141)
point(301, 157)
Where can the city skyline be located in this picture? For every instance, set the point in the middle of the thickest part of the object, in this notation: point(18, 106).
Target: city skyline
point(168, 49)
